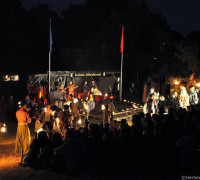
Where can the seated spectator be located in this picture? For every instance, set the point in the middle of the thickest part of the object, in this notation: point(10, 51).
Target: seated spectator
point(46, 155)
point(136, 128)
point(73, 150)
point(36, 146)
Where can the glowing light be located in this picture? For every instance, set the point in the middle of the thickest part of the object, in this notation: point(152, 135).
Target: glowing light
point(103, 107)
point(3, 129)
point(106, 94)
point(75, 100)
point(53, 112)
point(176, 82)
point(135, 106)
point(123, 110)
point(19, 102)
point(127, 109)
point(125, 100)
point(198, 84)
point(79, 121)
point(45, 109)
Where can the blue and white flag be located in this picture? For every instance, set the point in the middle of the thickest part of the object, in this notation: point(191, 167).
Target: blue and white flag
point(50, 38)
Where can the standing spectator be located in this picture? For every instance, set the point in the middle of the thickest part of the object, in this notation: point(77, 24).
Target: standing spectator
point(64, 118)
point(145, 93)
point(133, 92)
point(11, 109)
point(3, 110)
point(47, 118)
point(111, 109)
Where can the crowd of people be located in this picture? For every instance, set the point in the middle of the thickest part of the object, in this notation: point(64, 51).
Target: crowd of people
point(154, 146)
point(7, 109)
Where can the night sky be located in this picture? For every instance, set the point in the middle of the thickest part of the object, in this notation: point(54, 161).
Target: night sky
point(182, 15)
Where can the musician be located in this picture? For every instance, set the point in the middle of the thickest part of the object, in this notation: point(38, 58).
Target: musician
point(71, 87)
point(61, 87)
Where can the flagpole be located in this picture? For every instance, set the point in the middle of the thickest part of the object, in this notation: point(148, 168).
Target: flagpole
point(49, 71)
point(121, 76)
point(122, 56)
point(50, 49)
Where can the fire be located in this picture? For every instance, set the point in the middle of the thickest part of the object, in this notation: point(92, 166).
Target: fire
point(3, 128)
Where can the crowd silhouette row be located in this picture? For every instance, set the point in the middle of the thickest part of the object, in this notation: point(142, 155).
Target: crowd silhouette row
point(154, 146)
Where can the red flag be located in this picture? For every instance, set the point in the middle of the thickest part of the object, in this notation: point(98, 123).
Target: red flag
point(122, 41)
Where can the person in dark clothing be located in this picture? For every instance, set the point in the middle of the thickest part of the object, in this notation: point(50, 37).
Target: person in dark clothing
point(133, 92)
point(85, 90)
point(11, 109)
point(38, 145)
point(65, 119)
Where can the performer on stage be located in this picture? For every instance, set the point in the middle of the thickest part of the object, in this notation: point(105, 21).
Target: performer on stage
point(85, 90)
point(61, 87)
point(71, 87)
point(193, 98)
point(92, 88)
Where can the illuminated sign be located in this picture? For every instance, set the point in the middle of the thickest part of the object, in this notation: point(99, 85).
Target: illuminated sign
point(87, 74)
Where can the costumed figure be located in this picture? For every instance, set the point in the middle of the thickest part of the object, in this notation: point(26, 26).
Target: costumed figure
point(193, 98)
point(155, 98)
point(149, 105)
point(184, 98)
point(23, 137)
point(175, 101)
point(91, 103)
point(71, 87)
point(86, 106)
